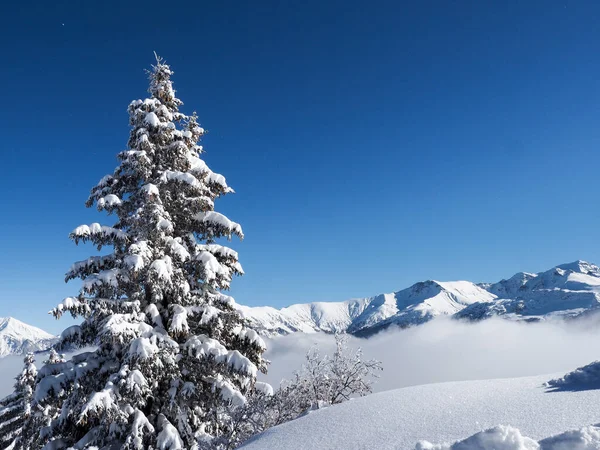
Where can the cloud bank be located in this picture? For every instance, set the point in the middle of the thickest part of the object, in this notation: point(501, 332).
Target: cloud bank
point(441, 350)
point(448, 350)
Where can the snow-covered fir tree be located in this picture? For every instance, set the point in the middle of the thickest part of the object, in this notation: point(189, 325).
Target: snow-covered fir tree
point(172, 347)
point(15, 408)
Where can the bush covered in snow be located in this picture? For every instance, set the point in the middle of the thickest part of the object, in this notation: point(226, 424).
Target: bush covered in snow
point(322, 381)
point(327, 380)
point(586, 377)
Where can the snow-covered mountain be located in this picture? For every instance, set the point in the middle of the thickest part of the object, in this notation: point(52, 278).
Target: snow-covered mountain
point(17, 337)
point(569, 290)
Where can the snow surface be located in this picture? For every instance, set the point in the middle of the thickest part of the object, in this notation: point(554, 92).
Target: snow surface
point(444, 412)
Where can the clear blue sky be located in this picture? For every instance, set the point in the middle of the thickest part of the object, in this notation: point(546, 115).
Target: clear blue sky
point(371, 144)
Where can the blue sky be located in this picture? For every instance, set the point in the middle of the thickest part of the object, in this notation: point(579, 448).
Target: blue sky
point(371, 144)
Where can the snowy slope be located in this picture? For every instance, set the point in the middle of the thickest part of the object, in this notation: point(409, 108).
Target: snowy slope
point(17, 337)
point(568, 290)
point(439, 413)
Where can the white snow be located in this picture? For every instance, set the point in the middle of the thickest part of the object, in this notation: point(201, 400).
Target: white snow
point(134, 262)
point(151, 190)
point(211, 266)
point(202, 346)
point(411, 306)
point(445, 412)
point(213, 217)
point(265, 388)
point(182, 177)
point(165, 225)
point(229, 392)
point(168, 438)
point(152, 119)
point(509, 438)
point(109, 201)
point(95, 229)
point(142, 348)
point(163, 268)
point(497, 438)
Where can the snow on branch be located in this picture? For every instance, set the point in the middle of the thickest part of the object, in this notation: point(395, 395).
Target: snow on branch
point(181, 177)
point(203, 347)
point(99, 234)
point(219, 225)
point(108, 202)
point(91, 265)
point(100, 403)
point(228, 392)
point(168, 438)
point(199, 167)
point(77, 307)
point(250, 336)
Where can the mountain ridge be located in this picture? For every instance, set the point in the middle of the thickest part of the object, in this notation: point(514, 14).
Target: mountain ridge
point(565, 291)
point(569, 290)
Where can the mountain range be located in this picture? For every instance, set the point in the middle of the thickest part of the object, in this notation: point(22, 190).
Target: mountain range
point(565, 291)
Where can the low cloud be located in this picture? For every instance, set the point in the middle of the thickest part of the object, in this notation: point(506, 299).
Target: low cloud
point(441, 350)
point(448, 350)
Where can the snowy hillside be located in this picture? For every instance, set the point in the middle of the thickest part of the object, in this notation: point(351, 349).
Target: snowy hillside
point(568, 290)
point(17, 337)
point(446, 412)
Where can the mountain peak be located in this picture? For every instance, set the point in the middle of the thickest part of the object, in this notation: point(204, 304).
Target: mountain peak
point(17, 337)
point(12, 326)
point(581, 267)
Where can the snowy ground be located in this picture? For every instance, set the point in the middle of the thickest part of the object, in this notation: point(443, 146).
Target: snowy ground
point(444, 412)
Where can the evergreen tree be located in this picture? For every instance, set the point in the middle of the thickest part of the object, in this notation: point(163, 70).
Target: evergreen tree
point(172, 347)
point(15, 408)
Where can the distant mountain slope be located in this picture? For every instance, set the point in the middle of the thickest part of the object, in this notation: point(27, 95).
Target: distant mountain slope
point(568, 290)
point(17, 337)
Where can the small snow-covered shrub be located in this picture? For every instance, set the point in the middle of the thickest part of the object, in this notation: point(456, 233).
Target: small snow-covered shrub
point(322, 381)
point(586, 377)
point(326, 380)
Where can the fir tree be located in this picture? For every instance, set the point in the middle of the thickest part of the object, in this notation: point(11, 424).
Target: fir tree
point(16, 408)
point(172, 347)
